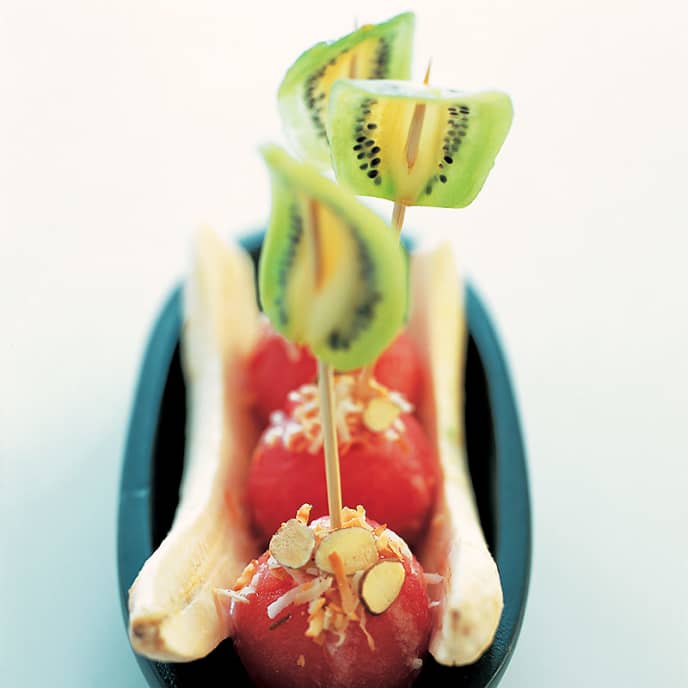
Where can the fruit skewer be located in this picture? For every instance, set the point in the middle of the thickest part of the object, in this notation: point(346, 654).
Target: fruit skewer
point(348, 573)
point(425, 146)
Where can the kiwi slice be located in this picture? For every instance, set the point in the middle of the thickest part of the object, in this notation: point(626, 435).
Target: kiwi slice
point(460, 136)
point(332, 275)
point(374, 51)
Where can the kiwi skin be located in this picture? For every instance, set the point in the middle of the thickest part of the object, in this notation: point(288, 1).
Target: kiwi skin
point(361, 121)
point(302, 107)
point(376, 319)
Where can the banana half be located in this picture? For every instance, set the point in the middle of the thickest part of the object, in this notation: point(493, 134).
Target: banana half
point(173, 612)
point(471, 599)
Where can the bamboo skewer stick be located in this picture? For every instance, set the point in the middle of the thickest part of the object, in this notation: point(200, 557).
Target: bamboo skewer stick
point(398, 213)
point(329, 431)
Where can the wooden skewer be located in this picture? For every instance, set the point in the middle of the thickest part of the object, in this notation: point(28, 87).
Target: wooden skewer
point(416, 126)
point(426, 78)
point(329, 431)
point(352, 67)
point(398, 213)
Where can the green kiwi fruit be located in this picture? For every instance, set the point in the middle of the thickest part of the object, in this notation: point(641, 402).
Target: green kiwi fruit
point(460, 136)
point(332, 274)
point(374, 51)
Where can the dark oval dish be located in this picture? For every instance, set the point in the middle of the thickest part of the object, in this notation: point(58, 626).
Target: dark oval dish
point(153, 467)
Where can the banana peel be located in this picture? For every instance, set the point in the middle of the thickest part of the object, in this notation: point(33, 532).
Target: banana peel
point(174, 613)
point(471, 599)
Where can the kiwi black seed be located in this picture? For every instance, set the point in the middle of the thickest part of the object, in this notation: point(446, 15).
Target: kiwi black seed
point(363, 310)
point(369, 144)
point(456, 125)
point(314, 95)
point(381, 60)
point(287, 261)
point(453, 136)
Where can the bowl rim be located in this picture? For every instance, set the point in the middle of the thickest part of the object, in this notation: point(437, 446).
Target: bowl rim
point(513, 519)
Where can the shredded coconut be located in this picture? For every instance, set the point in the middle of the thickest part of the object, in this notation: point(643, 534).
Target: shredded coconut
point(432, 578)
point(236, 596)
point(303, 593)
point(303, 432)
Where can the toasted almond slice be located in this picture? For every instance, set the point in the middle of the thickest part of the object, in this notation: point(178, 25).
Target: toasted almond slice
point(292, 545)
point(381, 585)
point(355, 546)
point(380, 413)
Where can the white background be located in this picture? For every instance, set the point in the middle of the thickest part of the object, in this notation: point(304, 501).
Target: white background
point(124, 125)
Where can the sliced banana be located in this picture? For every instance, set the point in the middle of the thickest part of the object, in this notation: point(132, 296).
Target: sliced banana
point(173, 611)
point(472, 601)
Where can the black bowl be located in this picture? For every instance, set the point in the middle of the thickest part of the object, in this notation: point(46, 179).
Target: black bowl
point(153, 467)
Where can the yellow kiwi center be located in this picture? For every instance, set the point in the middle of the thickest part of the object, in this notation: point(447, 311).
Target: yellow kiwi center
point(359, 62)
point(388, 147)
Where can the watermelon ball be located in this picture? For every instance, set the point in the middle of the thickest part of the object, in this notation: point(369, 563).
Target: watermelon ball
point(309, 627)
point(391, 469)
point(277, 366)
point(400, 368)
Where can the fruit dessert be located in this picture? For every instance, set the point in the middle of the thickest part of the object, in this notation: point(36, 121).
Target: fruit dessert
point(332, 607)
point(335, 282)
